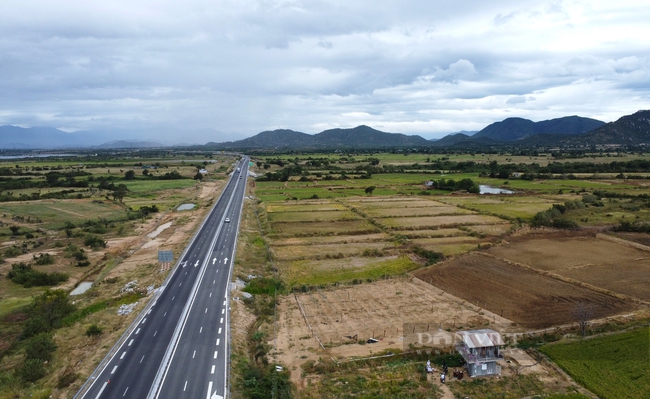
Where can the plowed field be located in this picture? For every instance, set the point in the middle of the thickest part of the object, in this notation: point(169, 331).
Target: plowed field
point(521, 295)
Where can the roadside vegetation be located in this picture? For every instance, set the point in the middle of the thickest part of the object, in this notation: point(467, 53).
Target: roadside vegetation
point(67, 220)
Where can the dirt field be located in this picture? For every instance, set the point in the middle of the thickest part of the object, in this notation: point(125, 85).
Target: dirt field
point(318, 228)
point(524, 296)
point(419, 211)
point(601, 262)
point(562, 253)
point(378, 310)
point(438, 221)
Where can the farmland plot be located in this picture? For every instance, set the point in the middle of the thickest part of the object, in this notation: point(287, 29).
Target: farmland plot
point(610, 265)
point(518, 294)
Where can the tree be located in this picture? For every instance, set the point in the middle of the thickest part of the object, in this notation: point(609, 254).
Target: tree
point(120, 192)
point(129, 175)
point(369, 190)
point(583, 312)
point(14, 230)
point(198, 176)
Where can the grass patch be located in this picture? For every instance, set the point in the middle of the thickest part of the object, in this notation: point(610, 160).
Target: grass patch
point(614, 366)
point(345, 270)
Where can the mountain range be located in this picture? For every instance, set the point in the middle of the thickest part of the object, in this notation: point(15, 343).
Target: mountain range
point(358, 137)
point(567, 131)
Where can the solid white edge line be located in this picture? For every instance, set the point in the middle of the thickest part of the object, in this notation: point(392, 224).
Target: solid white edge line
point(154, 392)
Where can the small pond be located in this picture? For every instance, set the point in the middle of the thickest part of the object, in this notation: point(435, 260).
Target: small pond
point(81, 288)
point(186, 207)
point(485, 189)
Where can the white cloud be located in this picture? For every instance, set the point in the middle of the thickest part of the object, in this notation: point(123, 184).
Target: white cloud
point(248, 65)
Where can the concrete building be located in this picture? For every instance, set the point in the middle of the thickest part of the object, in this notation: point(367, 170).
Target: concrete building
point(481, 350)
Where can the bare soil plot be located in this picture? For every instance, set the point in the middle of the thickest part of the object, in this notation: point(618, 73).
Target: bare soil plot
point(434, 233)
point(629, 278)
point(324, 228)
point(639, 238)
point(302, 207)
point(561, 253)
point(417, 211)
point(292, 252)
point(340, 239)
point(492, 230)
point(438, 221)
point(523, 296)
point(313, 216)
point(378, 309)
point(389, 202)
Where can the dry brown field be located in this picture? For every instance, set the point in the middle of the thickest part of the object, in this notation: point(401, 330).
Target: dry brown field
point(339, 239)
point(324, 228)
point(314, 216)
point(490, 229)
point(561, 253)
point(310, 206)
point(378, 310)
point(437, 221)
point(434, 233)
point(293, 252)
point(606, 264)
point(388, 202)
point(639, 238)
point(416, 211)
point(519, 294)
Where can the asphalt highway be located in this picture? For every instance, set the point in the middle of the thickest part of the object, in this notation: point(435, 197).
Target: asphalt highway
point(179, 348)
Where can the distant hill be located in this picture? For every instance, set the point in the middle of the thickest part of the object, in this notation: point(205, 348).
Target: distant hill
point(358, 137)
point(14, 137)
point(628, 130)
point(512, 129)
point(130, 144)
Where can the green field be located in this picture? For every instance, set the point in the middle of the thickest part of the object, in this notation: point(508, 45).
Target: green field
point(315, 273)
point(53, 213)
point(614, 366)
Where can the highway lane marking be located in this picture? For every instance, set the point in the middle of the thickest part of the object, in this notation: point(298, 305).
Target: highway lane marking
point(123, 353)
point(101, 390)
point(215, 354)
point(212, 372)
point(223, 311)
point(154, 334)
point(224, 303)
point(173, 297)
point(114, 368)
point(142, 359)
point(206, 310)
point(185, 387)
point(210, 295)
point(194, 354)
point(130, 342)
point(137, 331)
point(218, 341)
point(221, 322)
point(165, 314)
point(219, 330)
point(201, 330)
point(214, 281)
point(209, 387)
point(143, 320)
point(180, 284)
point(125, 391)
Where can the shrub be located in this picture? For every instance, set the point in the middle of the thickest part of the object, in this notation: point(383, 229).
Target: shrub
point(94, 330)
point(24, 275)
point(93, 241)
point(44, 259)
point(40, 346)
point(32, 370)
point(13, 251)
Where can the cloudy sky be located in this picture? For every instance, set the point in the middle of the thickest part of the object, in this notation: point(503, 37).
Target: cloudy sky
point(239, 67)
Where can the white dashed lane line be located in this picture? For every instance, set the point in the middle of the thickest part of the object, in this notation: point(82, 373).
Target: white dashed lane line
point(130, 342)
point(123, 354)
point(114, 368)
